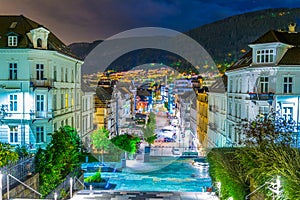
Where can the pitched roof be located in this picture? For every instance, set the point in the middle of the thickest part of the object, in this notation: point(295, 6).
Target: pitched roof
point(279, 36)
point(104, 93)
point(291, 57)
point(219, 86)
point(21, 25)
point(85, 87)
point(245, 61)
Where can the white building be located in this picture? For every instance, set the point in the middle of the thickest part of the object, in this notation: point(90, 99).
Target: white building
point(39, 83)
point(217, 102)
point(87, 114)
point(265, 79)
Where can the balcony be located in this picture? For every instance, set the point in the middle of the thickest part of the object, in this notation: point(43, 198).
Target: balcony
point(261, 96)
point(41, 114)
point(48, 83)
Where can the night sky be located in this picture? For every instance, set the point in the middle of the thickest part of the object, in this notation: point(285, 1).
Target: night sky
point(89, 20)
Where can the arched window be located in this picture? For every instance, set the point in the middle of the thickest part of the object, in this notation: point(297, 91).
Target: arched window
point(39, 43)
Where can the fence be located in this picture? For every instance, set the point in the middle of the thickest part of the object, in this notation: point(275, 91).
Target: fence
point(20, 169)
point(62, 190)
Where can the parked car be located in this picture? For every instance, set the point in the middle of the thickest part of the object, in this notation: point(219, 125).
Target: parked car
point(201, 162)
point(167, 139)
point(176, 151)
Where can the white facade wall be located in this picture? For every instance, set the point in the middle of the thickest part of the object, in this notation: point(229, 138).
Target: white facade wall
point(44, 103)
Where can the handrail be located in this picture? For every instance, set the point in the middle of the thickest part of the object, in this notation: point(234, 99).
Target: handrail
point(22, 184)
point(256, 190)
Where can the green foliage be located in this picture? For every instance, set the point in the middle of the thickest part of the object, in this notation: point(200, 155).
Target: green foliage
point(128, 143)
point(7, 154)
point(94, 178)
point(149, 134)
point(59, 158)
point(225, 168)
point(100, 139)
point(268, 154)
point(266, 130)
point(21, 151)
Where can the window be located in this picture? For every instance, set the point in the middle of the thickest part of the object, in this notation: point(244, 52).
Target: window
point(40, 102)
point(66, 100)
point(287, 113)
point(240, 85)
point(265, 56)
point(55, 74)
point(13, 102)
point(264, 84)
point(13, 133)
point(40, 134)
point(39, 71)
point(39, 43)
point(264, 110)
point(12, 41)
point(287, 84)
point(229, 108)
point(62, 101)
point(66, 75)
point(12, 71)
point(230, 85)
point(54, 102)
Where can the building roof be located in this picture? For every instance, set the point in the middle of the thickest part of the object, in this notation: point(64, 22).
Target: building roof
point(279, 36)
point(219, 86)
point(104, 93)
point(291, 56)
point(20, 25)
point(85, 87)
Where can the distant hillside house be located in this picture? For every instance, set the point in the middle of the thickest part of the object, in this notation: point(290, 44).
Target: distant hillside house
point(265, 79)
point(39, 83)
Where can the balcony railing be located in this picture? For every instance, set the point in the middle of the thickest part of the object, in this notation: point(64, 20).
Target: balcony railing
point(261, 96)
point(41, 83)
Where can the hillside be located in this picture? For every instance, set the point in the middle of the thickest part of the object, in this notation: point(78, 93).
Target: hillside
point(225, 40)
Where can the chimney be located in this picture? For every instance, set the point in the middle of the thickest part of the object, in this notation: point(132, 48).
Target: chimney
point(292, 28)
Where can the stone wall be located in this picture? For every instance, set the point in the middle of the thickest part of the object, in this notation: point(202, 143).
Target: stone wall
point(20, 191)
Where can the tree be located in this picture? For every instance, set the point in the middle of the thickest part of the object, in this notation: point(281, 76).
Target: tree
point(128, 143)
point(149, 134)
point(59, 158)
point(100, 140)
point(7, 154)
point(266, 130)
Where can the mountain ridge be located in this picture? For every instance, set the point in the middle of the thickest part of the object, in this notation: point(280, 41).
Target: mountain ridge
point(225, 40)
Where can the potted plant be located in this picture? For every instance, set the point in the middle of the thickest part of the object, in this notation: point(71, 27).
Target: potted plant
point(96, 181)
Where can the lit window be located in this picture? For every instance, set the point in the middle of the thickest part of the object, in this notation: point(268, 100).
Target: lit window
point(12, 41)
point(265, 56)
point(13, 71)
point(13, 102)
point(40, 134)
point(13, 133)
point(264, 84)
point(287, 84)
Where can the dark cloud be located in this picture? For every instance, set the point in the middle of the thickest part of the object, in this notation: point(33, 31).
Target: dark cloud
point(82, 20)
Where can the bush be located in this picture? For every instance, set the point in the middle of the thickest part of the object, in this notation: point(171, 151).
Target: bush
point(94, 178)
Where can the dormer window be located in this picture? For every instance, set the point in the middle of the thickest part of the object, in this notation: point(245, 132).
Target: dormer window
point(39, 43)
point(265, 55)
point(39, 37)
point(12, 41)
